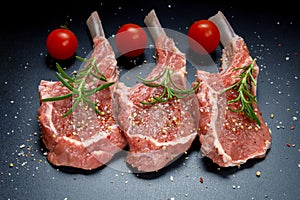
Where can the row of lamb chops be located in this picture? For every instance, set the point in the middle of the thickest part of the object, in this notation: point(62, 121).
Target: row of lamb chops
point(155, 134)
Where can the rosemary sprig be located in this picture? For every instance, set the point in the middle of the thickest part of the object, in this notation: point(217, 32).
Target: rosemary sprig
point(244, 87)
point(170, 89)
point(77, 85)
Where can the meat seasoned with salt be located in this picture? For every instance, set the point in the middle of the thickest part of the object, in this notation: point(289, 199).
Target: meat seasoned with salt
point(83, 139)
point(228, 137)
point(157, 132)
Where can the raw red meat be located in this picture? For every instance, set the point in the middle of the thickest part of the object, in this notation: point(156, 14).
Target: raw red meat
point(82, 139)
point(229, 138)
point(160, 132)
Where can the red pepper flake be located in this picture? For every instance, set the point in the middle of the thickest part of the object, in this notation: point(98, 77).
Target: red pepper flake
point(288, 144)
point(201, 180)
point(68, 134)
point(108, 137)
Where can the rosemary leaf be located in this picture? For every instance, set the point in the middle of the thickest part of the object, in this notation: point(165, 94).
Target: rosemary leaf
point(170, 89)
point(75, 104)
point(63, 73)
point(63, 81)
point(57, 98)
point(97, 89)
point(77, 85)
point(244, 87)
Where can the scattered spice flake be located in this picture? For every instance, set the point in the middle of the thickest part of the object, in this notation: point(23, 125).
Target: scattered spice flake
point(257, 173)
point(11, 165)
point(288, 144)
point(272, 116)
point(201, 180)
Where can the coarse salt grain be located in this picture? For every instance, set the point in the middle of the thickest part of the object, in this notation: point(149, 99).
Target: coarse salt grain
point(171, 178)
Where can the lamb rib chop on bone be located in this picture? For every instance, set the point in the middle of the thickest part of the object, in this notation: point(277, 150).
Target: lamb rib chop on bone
point(83, 139)
point(229, 138)
point(160, 132)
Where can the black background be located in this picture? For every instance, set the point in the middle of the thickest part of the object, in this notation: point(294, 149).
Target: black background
point(271, 32)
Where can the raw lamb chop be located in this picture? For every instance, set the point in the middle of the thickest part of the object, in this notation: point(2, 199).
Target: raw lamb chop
point(160, 132)
point(83, 139)
point(229, 138)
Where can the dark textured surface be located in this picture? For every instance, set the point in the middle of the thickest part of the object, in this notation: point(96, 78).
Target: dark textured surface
point(272, 35)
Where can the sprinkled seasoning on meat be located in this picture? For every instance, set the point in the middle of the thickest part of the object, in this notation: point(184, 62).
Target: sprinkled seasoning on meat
point(160, 132)
point(83, 139)
point(229, 138)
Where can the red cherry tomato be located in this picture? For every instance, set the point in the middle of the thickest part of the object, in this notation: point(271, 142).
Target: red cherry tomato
point(131, 40)
point(204, 36)
point(61, 43)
